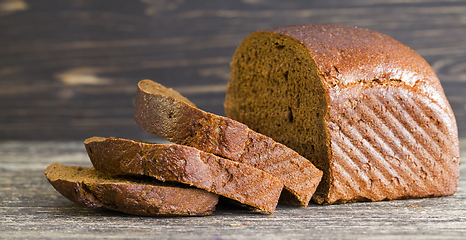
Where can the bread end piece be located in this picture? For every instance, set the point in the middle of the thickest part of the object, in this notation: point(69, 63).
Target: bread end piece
point(146, 197)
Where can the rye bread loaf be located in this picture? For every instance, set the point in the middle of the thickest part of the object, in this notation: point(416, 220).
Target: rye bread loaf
point(147, 197)
point(161, 111)
point(364, 108)
point(184, 164)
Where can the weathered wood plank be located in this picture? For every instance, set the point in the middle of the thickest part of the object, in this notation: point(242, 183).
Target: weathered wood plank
point(31, 208)
point(68, 70)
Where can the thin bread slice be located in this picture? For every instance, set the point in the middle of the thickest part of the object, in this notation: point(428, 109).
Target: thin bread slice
point(171, 162)
point(146, 197)
point(159, 110)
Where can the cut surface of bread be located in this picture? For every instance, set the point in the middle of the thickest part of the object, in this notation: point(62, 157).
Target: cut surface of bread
point(159, 111)
point(184, 164)
point(146, 197)
point(365, 109)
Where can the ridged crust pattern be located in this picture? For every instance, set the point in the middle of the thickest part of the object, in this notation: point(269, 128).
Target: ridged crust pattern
point(390, 132)
point(390, 143)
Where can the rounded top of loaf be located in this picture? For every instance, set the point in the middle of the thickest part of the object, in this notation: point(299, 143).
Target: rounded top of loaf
point(347, 55)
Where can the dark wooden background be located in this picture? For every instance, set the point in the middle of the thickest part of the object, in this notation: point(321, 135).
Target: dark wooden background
point(69, 69)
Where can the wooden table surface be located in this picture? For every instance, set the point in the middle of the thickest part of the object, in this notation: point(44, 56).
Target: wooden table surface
point(31, 208)
point(69, 69)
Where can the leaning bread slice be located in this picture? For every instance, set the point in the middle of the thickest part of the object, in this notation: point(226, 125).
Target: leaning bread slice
point(89, 188)
point(161, 111)
point(170, 162)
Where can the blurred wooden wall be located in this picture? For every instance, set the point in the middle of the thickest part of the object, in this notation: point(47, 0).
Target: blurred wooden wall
point(69, 69)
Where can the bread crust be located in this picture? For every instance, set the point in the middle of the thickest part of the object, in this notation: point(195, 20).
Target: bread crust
point(389, 129)
point(171, 162)
point(347, 55)
point(156, 111)
point(92, 189)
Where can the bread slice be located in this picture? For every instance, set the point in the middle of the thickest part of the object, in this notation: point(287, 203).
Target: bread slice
point(147, 197)
point(363, 107)
point(170, 162)
point(161, 111)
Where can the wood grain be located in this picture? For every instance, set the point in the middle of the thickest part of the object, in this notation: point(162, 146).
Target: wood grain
point(31, 208)
point(69, 69)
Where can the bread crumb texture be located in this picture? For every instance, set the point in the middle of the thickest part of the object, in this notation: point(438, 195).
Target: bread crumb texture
point(362, 107)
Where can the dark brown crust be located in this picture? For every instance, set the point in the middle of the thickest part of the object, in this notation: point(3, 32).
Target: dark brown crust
point(170, 162)
point(348, 55)
point(357, 65)
point(92, 189)
point(393, 143)
point(392, 132)
point(175, 120)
